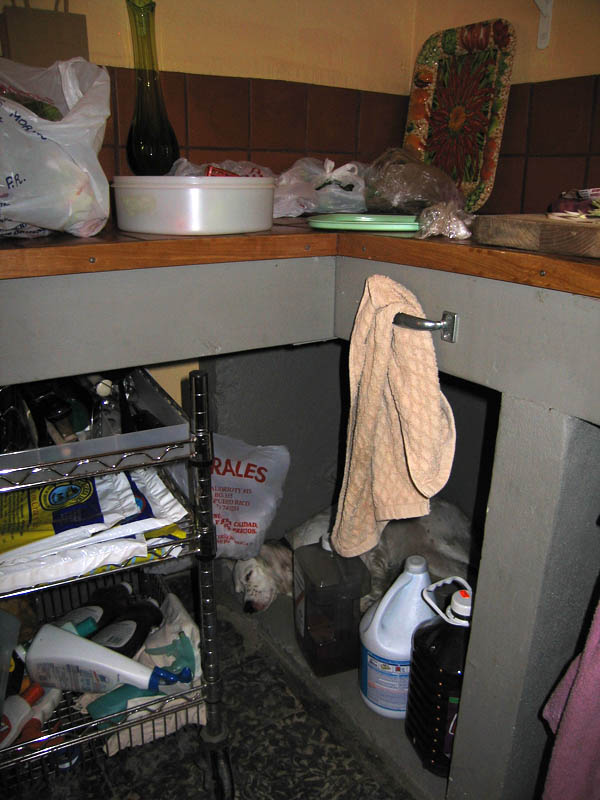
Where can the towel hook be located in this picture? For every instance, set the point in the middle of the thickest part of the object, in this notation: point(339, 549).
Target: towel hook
point(448, 324)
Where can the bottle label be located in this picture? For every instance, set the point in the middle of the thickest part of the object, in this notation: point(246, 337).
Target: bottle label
point(117, 634)
point(451, 717)
point(384, 681)
point(82, 613)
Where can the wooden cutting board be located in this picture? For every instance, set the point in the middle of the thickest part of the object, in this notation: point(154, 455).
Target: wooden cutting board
point(539, 233)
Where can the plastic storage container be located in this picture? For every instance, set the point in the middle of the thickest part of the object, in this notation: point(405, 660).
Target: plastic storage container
point(436, 676)
point(327, 592)
point(179, 204)
point(386, 632)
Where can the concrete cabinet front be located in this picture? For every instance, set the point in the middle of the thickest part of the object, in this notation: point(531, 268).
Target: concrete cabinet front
point(541, 546)
point(537, 347)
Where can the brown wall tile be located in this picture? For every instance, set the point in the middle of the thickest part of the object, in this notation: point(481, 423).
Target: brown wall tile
point(277, 115)
point(173, 87)
point(332, 119)
point(109, 133)
point(125, 102)
point(593, 180)
point(508, 187)
point(561, 116)
point(547, 177)
point(199, 155)
point(107, 159)
point(595, 143)
point(277, 161)
point(514, 135)
point(218, 111)
point(381, 125)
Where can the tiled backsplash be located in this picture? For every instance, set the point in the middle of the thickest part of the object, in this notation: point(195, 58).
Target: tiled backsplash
point(551, 139)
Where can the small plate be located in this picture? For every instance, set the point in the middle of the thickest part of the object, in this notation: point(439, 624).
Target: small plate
point(364, 222)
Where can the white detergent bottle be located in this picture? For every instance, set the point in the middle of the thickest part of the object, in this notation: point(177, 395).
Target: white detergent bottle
point(386, 632)
point(56, 657)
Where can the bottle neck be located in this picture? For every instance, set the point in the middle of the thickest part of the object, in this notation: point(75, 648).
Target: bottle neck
point(141, 20)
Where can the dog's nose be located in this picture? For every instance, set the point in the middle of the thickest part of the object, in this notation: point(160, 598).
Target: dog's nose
point(248, 607)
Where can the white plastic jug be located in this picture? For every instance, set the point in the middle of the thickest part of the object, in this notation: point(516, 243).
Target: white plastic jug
point(386, 632)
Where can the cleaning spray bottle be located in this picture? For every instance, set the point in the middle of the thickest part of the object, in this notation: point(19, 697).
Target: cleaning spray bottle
point(386, 640)
point(57, 657)
point(17, 710)
point(40, 714)
point(436, 676)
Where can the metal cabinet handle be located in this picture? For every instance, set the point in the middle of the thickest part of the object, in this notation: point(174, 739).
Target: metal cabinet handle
point(448, 324)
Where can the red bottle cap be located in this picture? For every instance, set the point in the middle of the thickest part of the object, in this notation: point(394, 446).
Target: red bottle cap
point(33, 693)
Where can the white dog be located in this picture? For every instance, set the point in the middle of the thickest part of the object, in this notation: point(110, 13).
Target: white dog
point(443, 537)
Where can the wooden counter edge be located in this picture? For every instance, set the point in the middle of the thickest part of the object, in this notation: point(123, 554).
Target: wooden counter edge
point(543, 270)
point(123, 253)
point(115, 251)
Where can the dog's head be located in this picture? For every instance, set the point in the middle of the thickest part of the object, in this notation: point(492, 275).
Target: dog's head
point(261, 579)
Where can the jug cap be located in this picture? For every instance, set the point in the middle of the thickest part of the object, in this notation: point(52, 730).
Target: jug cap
point(415, 564)
point(460, 604)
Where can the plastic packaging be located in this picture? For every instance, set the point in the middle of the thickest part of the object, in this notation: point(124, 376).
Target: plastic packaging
point(17, 710)
point(312, 185)
point(386, 632)
point(327, 592)
point(436, 676)
point(247, 487)
point(170, 204)
point(128, 631)
point(62, 659)
point(51, 177)
point(103, 606)
point(398, 182)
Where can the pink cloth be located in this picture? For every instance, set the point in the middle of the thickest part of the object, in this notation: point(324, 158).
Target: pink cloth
point(573, 713)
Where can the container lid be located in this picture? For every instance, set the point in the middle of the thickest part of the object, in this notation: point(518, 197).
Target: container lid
point(460, 604)
point(416, 565)
point(187, 182)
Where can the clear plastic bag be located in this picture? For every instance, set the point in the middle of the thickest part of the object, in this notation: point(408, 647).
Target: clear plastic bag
point(398, 182)
point(52, 122)
point(314, 186)
point(243, 168)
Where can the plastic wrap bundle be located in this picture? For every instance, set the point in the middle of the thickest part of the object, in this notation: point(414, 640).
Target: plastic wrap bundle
point(398, 182)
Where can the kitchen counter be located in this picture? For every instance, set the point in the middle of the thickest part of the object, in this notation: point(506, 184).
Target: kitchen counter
point(114, 250)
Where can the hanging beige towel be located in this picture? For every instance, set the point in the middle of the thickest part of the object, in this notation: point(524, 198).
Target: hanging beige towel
point(401, 435)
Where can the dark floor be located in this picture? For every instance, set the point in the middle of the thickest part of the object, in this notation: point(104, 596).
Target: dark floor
point(284, 742)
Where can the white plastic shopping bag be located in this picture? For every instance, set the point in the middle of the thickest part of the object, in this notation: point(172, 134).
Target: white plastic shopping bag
point(52, 123)
point(247, 487)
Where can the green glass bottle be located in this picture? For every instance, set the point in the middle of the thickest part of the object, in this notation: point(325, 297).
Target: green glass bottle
point(151, 144)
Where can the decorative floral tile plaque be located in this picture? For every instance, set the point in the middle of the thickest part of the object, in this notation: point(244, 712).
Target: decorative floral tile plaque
point(458, 103)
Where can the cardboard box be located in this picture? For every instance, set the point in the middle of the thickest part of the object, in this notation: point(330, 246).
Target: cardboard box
point(39, 38)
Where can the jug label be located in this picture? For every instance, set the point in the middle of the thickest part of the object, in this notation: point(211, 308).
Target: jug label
point(384, 681)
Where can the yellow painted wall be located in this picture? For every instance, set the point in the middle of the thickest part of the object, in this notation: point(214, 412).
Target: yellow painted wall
point(349, 43)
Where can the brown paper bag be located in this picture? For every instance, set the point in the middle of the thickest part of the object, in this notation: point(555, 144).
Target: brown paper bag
point(39, 38)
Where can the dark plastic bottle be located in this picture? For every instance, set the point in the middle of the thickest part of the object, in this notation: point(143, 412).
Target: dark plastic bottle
point(103, 606)
point(435, 683)
point(128, 632)
point(327, 592)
